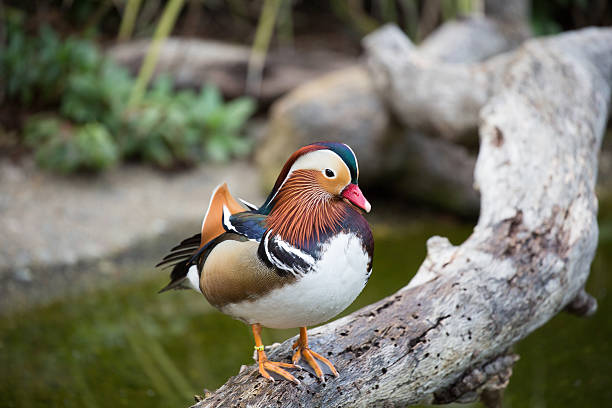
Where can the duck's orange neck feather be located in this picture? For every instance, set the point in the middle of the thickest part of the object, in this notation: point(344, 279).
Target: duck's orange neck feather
point(302, 210)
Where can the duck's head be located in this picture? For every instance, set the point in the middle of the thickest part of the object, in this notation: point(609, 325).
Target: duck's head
point(317, 173)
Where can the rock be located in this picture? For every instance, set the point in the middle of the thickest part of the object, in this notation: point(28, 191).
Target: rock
point(341, 106)
point(435, 171)
point(473, 38)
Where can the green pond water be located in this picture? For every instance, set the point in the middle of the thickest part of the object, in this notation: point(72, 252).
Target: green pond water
point(129, 346)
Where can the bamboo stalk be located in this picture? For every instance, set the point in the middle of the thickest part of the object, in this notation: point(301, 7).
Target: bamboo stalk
point(129, 19)
point(352, 12)
point(411, 18)
point(285, 24)
point(388, 11)
point(464, 7)
point(449, 9)
point(257, 59)
point(162, 31)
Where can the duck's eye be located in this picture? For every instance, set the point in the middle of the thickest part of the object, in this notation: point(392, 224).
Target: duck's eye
point(330, 173)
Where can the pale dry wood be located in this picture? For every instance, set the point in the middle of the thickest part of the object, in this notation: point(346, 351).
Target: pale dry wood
point(503, 26)
point(415, 84)
point(445, 337)
point(439, 98)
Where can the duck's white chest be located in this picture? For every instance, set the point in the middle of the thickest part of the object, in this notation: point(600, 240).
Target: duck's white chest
point(334, 282)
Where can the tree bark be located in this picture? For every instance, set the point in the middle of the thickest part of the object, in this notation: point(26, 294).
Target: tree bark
point(445, 336)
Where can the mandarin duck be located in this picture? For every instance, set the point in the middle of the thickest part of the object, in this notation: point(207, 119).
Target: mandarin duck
point(296, 261)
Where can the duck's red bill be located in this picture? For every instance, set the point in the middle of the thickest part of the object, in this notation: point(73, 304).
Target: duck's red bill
point(355, 196)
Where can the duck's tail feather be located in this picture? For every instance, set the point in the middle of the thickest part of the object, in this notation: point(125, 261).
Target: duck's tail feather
point(189, 251)
point(221, 203)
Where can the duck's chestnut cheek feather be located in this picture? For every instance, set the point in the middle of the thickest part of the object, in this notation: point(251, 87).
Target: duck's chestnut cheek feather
point(355, 196)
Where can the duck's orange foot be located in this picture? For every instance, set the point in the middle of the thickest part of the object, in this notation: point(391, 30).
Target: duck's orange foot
point(310, 356)
point(266, 365)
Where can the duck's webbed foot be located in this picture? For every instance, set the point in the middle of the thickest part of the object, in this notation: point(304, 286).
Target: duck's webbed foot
point(276, 367)
point(311, 357)
point(266, 365)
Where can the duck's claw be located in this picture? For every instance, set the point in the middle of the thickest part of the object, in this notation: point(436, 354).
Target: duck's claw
point(277, 368)
point(266, 365)
point(311, 357)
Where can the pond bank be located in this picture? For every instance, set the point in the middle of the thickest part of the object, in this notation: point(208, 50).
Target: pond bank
point(56, 230)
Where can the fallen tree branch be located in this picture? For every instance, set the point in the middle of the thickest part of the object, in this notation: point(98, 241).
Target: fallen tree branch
point(503, 27)
point(445, 336)
point(439, 98)
point(416, 86)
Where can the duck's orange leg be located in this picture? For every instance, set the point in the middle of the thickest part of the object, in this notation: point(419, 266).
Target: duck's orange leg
point(310, 356)
point(266, 365)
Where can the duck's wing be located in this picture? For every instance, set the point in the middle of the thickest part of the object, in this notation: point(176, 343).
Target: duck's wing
point(248, 224)
point(192, 251)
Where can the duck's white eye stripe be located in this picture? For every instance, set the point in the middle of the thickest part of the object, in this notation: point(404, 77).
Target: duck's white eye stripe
point(355, 157)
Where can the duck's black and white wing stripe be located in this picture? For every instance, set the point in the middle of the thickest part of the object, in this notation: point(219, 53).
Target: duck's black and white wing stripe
point(284, 257)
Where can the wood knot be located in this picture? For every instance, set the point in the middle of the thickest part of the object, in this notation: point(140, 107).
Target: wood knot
point(583, 305)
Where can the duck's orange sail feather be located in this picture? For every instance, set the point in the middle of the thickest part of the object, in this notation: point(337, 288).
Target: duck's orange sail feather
point(212, 226)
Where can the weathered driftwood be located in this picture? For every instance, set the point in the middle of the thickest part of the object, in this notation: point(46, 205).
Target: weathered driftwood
point(445, 337)
point(504, 26)
point(443, 99)
point(424, 81)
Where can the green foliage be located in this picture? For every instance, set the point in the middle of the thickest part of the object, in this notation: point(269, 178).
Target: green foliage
point(38, 67)
point(95, 128)
point(62, 147)
point(550, 17)
point(168, 126)
point(542, 21)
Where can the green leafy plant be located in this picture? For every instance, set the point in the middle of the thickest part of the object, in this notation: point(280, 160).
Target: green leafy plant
point(94, 127)
point(185, 126)
point(65, 148)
